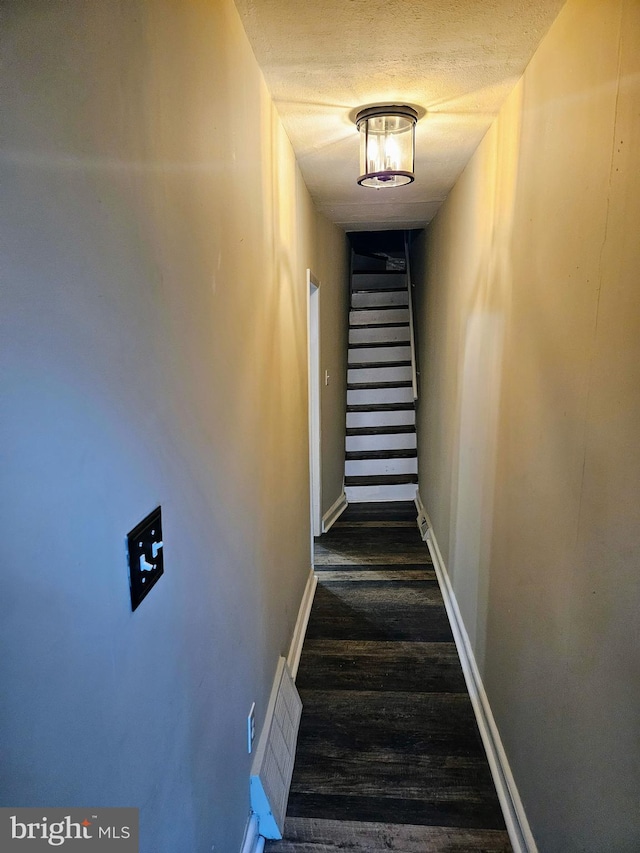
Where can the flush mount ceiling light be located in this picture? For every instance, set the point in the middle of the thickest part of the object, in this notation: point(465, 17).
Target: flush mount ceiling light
point(387, 145)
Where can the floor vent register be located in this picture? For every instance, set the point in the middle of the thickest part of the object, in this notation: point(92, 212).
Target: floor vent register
point(275, 755)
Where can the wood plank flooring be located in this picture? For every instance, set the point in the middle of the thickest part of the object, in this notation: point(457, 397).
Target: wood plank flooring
point(389, 756)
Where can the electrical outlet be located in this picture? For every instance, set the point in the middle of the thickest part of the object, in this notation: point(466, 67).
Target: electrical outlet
point(146, 563)
point(251, 727)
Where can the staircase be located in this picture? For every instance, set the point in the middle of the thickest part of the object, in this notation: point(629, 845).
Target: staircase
point(381, 459)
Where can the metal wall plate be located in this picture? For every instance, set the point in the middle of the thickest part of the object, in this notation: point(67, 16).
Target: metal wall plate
point(146, 563)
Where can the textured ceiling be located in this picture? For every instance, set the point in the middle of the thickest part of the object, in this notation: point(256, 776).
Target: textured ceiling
point(324, 59)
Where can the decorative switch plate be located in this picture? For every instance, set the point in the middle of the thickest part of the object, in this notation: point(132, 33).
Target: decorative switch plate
point(146, 563)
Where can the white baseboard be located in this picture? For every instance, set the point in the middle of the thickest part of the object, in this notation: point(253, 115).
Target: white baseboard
point(252, 842)
point(515, 818)
point(295, 650)
point(334, 512)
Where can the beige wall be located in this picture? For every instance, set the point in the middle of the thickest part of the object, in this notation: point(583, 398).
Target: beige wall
point(155, 240)
point(530, 422)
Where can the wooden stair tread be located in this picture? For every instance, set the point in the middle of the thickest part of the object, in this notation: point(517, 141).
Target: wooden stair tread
point(390, 429)
point(382, 480)
point(401, 453)
point(381, 407)
point(379, 325)
point(379, 289)
point(377, 386)
point(359, 365)
point(378, 272)
point(378, 344)
point(391, 307)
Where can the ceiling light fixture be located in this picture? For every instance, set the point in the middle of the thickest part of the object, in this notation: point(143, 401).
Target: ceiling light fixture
point(387, 145)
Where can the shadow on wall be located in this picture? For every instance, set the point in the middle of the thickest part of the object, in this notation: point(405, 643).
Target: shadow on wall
point(481, 352)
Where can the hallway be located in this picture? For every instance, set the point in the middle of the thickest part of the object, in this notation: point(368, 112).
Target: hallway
point(175, 179)
point(389, 756)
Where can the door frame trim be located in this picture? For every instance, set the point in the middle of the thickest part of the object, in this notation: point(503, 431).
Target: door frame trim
point(314, 386)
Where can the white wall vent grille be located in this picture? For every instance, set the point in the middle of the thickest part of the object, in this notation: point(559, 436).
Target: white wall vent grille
point(423, 524)
point(273, 763)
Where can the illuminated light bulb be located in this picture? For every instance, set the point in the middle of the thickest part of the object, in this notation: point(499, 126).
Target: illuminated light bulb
point(391, 153)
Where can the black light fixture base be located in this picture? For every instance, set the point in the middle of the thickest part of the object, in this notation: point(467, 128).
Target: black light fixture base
point(391, 110)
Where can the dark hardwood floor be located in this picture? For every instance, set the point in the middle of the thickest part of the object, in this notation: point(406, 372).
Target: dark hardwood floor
point(389, 755)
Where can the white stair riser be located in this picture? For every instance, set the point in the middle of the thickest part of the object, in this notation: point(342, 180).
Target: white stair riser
point(367, 419)
point(379, 374)
point(384, 315)
point(383, 334)
point(372, 494)
point(371, 396)
point(379, 299)
point(394, 441)
point(375, 354)
point(371, 467)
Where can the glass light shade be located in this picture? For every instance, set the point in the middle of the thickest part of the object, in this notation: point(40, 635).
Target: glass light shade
point(387, 146)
